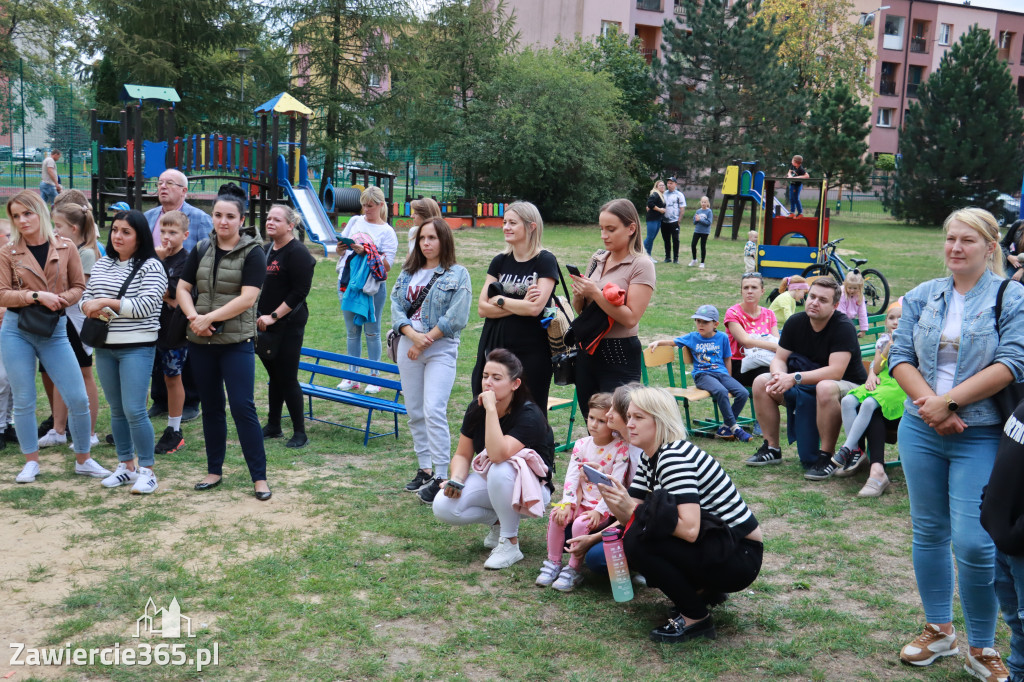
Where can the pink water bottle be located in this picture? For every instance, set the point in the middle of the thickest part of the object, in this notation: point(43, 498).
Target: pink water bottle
point(618, 571)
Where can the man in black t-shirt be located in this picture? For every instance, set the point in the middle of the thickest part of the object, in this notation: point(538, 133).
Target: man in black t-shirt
point(818, 362)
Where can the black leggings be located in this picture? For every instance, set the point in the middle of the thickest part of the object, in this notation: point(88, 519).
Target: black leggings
point(283, 371)
point(670, 235)
point(874, 437)
point(616, 362)
point(674, 567)
point(536, 361)
point(703, 239)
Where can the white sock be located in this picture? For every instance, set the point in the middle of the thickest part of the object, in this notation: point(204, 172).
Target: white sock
point(174, 422)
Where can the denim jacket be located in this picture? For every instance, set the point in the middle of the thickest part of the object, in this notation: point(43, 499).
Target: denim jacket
point(446, 306)
point(916, 339)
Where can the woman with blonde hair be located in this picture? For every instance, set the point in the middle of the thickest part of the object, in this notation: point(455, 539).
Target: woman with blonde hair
point(700, 540)
point(39, 268)
point(655, 212)
point(791, 292)
point(951, 356)
point(423, 209)
point(361, 266)
point(622, 271)
point(518, 287)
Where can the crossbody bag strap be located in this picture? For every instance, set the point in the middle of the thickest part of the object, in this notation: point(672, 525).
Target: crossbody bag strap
point(418, 303)
point(131, 276)
point(565, 290)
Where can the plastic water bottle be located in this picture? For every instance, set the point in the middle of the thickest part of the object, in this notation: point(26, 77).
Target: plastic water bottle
point(618, 571)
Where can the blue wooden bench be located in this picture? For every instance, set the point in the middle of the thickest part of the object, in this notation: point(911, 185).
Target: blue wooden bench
point(327, 369)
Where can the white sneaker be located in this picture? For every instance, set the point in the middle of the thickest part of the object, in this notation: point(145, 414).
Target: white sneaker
point(348, 385)
point(91, 467)
point(120, 476)
point(988, 666)
point(52, 438)
point(491, 541)
point(504, 555)
point(145, 482)
point(28, 473)
point(94, 440)
point(567, 580)
point(371, 388)
point(692, 263)
point(701, 266)
point(548, 573)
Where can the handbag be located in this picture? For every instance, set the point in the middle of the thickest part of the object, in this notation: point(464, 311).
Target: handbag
point(268, 343)
point(563, 342)
point(94, 331)
point(394, 337)
point(1008, 398)
point(35, 318)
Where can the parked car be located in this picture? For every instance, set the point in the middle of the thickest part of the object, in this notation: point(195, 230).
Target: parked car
point(5, 153)
point(1010, 209)
point(29, 154)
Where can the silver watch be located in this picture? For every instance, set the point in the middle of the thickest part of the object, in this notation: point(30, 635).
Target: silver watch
point(798, 377)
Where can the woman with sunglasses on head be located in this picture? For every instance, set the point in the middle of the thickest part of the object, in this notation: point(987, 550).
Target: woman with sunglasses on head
point(747, 324)
point(227, 273)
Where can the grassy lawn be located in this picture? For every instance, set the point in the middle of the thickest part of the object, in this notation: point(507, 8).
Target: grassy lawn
point(344, 576)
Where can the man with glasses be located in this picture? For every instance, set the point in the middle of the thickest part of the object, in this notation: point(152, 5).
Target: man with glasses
point(172, 188)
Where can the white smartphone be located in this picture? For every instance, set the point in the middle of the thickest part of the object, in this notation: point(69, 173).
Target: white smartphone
point(107, 314)
point(595, 476)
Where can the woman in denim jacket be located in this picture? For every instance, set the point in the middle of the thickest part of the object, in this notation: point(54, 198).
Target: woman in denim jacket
point(950, 359)
point(429, 347)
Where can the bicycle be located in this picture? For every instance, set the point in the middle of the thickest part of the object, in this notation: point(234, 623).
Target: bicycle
point(876, 287)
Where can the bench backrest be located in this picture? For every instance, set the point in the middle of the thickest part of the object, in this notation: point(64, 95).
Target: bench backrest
point(336, 366)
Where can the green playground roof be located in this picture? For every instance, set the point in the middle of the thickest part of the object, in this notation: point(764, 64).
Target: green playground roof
point(129, 92)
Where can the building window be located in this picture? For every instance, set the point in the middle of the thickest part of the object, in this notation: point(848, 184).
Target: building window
point(893, 37)
point(915, 74)
point(1005, 43)
point(374, 81)
point(652, 5)
point(610, 28)
point(919, 41)
point(885, 118)
point(887, 83)
point(945, 31)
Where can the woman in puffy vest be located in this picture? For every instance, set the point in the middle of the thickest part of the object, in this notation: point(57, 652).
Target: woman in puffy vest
point(227, 274)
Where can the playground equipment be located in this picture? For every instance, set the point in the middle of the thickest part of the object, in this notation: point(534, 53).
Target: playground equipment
point(790, 244)
point(739, 190)
point(876, 287)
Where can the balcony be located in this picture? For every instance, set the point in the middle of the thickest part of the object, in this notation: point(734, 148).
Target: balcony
point(919, 45)
point(650, 5)
point(912, 90)
point(648, 54)
point(679, 9)
point(887, 87)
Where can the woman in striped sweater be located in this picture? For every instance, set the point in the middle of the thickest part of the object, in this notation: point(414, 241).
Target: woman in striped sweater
point(710, 545)
point(125, 361)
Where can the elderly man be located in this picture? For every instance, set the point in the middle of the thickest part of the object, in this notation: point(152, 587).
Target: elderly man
point(49, 181)
point(172, 188)
point(818, 362)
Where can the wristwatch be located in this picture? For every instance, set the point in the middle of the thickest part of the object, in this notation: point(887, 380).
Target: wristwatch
point(273, 315)
point(500, 302)
point(951, 404)
point(35, 295)
point(798, 377)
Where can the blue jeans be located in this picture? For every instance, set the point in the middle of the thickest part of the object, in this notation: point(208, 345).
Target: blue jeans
point(372, 329)
point(653, 229)
point(48, 192)
point(1010, 590)
point(802, 422)
point(720, 386)
point(945, 476)
point(20, 350)
point(794, 199)
point(231, 365)
point(124, 376)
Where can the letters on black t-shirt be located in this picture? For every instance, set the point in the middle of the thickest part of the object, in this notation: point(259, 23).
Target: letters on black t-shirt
point(527, 425)
point(838, 336)
point(515, 278)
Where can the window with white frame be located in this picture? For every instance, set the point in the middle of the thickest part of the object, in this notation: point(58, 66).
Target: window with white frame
point(885, 117)
point(893, 33)
point(945, 31)
point(610, 28)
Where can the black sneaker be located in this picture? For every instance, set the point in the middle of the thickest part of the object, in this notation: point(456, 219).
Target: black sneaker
point(109, 439)
point(824, 469)
point(3, 440)
point(272, 432)
point(171, 441)
point(298, 440)
point(12, 435)
point(157, 410)
point(853, 459)
point(188, 413)
point(428, 492)
point(765, 455)
point(675, 631)
point(45, 427)
point(419, 480)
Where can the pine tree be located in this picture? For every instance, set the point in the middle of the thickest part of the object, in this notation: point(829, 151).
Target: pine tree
point(962, 140)
point(835, 142)
point(728, 96)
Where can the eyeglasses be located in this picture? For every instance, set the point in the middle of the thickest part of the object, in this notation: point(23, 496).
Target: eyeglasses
point(749, 275)
point(168, 183)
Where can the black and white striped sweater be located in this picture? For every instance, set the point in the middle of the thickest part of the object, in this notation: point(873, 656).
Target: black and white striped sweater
point(138, 321)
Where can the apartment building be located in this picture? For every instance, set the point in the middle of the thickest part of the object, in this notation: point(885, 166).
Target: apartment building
point(911, 36)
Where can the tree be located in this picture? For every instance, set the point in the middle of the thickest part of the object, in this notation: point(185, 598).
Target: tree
point(962, 140)
point(727, 95)
point(821, 40)
point(547, 130)
point(837, 130)
point(440, 65)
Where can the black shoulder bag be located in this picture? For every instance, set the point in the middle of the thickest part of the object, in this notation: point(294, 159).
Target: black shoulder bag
point(1008, 398)
point(36, 318)
point(563, 356)
point(394, 337)
point(94, 330)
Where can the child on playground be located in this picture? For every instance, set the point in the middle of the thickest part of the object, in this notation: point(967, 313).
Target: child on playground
point(750, 252)
point(852, 304)
point(701, 229)
point(881, 392)
point(173, 233)
point(582, 504)
point(712, 362)
point(791, 291)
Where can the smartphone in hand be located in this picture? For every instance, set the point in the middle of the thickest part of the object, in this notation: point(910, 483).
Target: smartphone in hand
point(573, 270)
point(595, 476)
